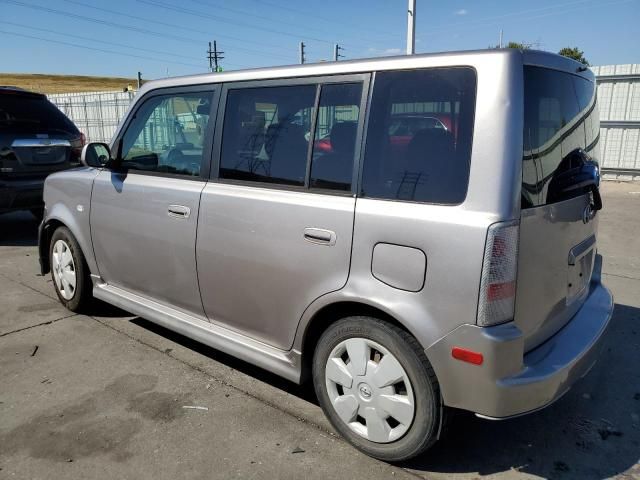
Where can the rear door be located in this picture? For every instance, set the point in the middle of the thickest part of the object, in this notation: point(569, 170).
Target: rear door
point(276, 225)
point(557, 232)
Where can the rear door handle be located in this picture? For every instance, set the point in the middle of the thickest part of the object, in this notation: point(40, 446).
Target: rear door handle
point(178, 211)
point(320, 236)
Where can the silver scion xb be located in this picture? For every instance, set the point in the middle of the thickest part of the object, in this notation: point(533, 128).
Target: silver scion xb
point(412, 234)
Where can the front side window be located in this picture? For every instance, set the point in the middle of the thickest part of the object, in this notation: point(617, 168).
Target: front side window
point(419, 136)
point(167, 134)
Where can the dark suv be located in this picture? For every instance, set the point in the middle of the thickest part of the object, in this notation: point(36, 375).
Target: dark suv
point(36, 139)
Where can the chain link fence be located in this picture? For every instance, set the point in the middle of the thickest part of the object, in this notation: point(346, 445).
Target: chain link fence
point(96, 114)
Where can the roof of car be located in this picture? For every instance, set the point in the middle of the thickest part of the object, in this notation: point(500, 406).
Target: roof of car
point(12, 90)
point(470, 57)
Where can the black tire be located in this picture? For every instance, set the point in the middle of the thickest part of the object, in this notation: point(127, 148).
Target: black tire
point(429, 417)
point(82, 294)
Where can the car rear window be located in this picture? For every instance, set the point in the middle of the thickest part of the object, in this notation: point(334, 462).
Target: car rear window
point(558, 119)
point(32, 113)
point(419, 135)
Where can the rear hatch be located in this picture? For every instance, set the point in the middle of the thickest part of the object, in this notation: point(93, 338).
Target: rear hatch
point(35, 137)
point(557, 227)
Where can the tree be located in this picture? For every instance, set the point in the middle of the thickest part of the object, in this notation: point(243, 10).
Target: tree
point(519, 46)
point(574, 53)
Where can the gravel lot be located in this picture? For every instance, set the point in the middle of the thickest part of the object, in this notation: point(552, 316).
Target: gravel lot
point(103, 396)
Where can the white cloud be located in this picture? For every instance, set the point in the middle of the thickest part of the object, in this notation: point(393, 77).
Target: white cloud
point(385, 51)
point(462, 11)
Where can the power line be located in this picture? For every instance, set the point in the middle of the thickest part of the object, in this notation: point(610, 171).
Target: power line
point(79, 37)
point(127, 27)
point(172, 25)
point(275, 20)
point(200, 14)
point(315, 15)
point(112, 52)
point(479, 22)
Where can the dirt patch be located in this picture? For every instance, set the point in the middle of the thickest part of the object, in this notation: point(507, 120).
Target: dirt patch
point(96, 423)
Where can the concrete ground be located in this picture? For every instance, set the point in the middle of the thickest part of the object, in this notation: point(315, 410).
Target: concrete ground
point(104, 396)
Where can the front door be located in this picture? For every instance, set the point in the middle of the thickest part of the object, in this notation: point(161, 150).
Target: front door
point(275, 228)
point(144, 215)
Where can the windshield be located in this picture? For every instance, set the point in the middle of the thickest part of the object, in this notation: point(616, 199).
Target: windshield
point(32, 114)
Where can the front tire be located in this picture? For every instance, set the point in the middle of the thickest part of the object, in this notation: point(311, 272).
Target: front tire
point(377, 388)
point(69, 270)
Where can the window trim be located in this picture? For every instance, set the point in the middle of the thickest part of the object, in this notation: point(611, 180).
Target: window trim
point(319, 81)
point(205, 162)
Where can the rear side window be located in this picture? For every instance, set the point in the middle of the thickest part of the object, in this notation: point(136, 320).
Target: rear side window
point(558, 118)
point(420, 135)
point(297, 135)
point(266, 134)
point(335, 136)
point(32, 113)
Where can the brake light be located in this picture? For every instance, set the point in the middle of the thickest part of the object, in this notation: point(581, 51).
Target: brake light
point(76, 148)
point(499, 269)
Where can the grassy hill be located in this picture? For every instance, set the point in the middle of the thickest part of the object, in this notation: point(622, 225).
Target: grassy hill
point(64, 83)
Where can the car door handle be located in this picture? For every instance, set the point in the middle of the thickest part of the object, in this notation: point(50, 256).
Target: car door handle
point(320, 236)
point(178, 211)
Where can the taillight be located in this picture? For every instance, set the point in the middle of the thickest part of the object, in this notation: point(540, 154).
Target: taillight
point(76, 148)
point(499, 269)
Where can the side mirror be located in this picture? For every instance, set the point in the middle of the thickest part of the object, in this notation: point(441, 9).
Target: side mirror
point(95, 154)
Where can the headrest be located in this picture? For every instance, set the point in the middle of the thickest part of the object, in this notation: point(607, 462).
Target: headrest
point(343, 137)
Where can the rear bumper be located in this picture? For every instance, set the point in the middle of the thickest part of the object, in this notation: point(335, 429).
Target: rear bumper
point(511, 383)
point(21, 194)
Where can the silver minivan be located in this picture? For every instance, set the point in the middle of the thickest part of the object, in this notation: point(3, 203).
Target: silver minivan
point(413, 234)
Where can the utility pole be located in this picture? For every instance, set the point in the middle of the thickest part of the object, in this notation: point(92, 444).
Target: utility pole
point(139, 80)
point(500, 43)
point(336, 52)
point(302, 57)
point(411, 28)
point(214, 55)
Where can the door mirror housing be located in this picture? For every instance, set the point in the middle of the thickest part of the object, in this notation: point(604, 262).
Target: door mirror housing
point(95, 154)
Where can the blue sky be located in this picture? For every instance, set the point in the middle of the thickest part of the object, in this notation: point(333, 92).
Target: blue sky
point(160, 37)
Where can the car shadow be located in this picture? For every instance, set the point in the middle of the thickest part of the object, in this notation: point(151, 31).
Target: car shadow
point(18, 229)
point(304, 392)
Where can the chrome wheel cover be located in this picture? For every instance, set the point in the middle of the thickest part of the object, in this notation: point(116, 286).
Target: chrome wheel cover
point(369, 390)
point(64, 269)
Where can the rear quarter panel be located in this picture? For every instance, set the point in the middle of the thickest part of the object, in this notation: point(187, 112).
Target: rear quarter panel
point(452, 237)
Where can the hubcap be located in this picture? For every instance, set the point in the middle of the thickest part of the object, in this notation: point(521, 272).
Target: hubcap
point(64, 269)
point(369, 390)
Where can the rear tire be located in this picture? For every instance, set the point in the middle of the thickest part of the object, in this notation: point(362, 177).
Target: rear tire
point(377, 388)
point(69, 270)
